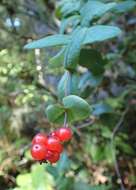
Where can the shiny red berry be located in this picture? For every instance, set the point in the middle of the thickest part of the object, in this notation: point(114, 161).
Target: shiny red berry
point(39, 151)
point(53, 134)
point(64, 134)
point(52, 157)
point(53, 144)
point(40, 138)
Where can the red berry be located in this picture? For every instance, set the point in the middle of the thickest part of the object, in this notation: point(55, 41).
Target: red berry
point(40, 138)
point(39, 151)
point(64, 134)
point(53, 134)
point(53, 144)
point(52, 157)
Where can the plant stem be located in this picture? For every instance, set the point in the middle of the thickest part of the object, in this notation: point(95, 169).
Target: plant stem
point(113, 148)
point(67, 92)
point(91, 122)
point(65, 120)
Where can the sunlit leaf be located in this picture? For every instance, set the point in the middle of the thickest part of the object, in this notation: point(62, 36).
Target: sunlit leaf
point(23, 180)
point(101, 33)
point(49, 41)
point(73, 49)
point(125, 6)
point(68, 84)
point(94, 9)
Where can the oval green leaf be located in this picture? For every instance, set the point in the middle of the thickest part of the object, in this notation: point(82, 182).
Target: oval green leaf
point(55, 113)
point(77, 108)
point(49, 41)
point(68, 84)
point(100, 33)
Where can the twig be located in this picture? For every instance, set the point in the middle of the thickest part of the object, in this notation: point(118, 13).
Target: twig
point(48, 89)
point(67, 85)
point(41, 81)
point(65, 120)
point(66, 94)
point(118, 125)
point(91, 122)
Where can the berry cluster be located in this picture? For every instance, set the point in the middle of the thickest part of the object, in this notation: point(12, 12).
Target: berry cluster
point(48, 148)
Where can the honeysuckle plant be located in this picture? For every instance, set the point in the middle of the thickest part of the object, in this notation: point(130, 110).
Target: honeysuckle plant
point(84, 26)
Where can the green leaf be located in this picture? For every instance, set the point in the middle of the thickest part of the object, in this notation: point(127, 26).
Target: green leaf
point(125, 6)
point(97, 153)
point(77, 108)
point(69, 7)
point(121, 143)
point(127, 148)
point(84, 186)
point(81, 186)
point(53, 171)
point(38, 178)
point(72, 21)
point(65, 183)
point(73, 49)
point(23, 180)
point(99, 109)
point(54, 40)
point(88, 79)
point(68, 84)
point(87, 82)
point(100, 33)
point(57, 60)
point(94, 9)
point(92, 60)
point(108, 153)
point(55, 113)
point(101, 187)
point(63, 86)
point(63, 164)
point(41, 178)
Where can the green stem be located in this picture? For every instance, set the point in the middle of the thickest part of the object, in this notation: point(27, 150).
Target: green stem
point(67, 92)
point(113, 148)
